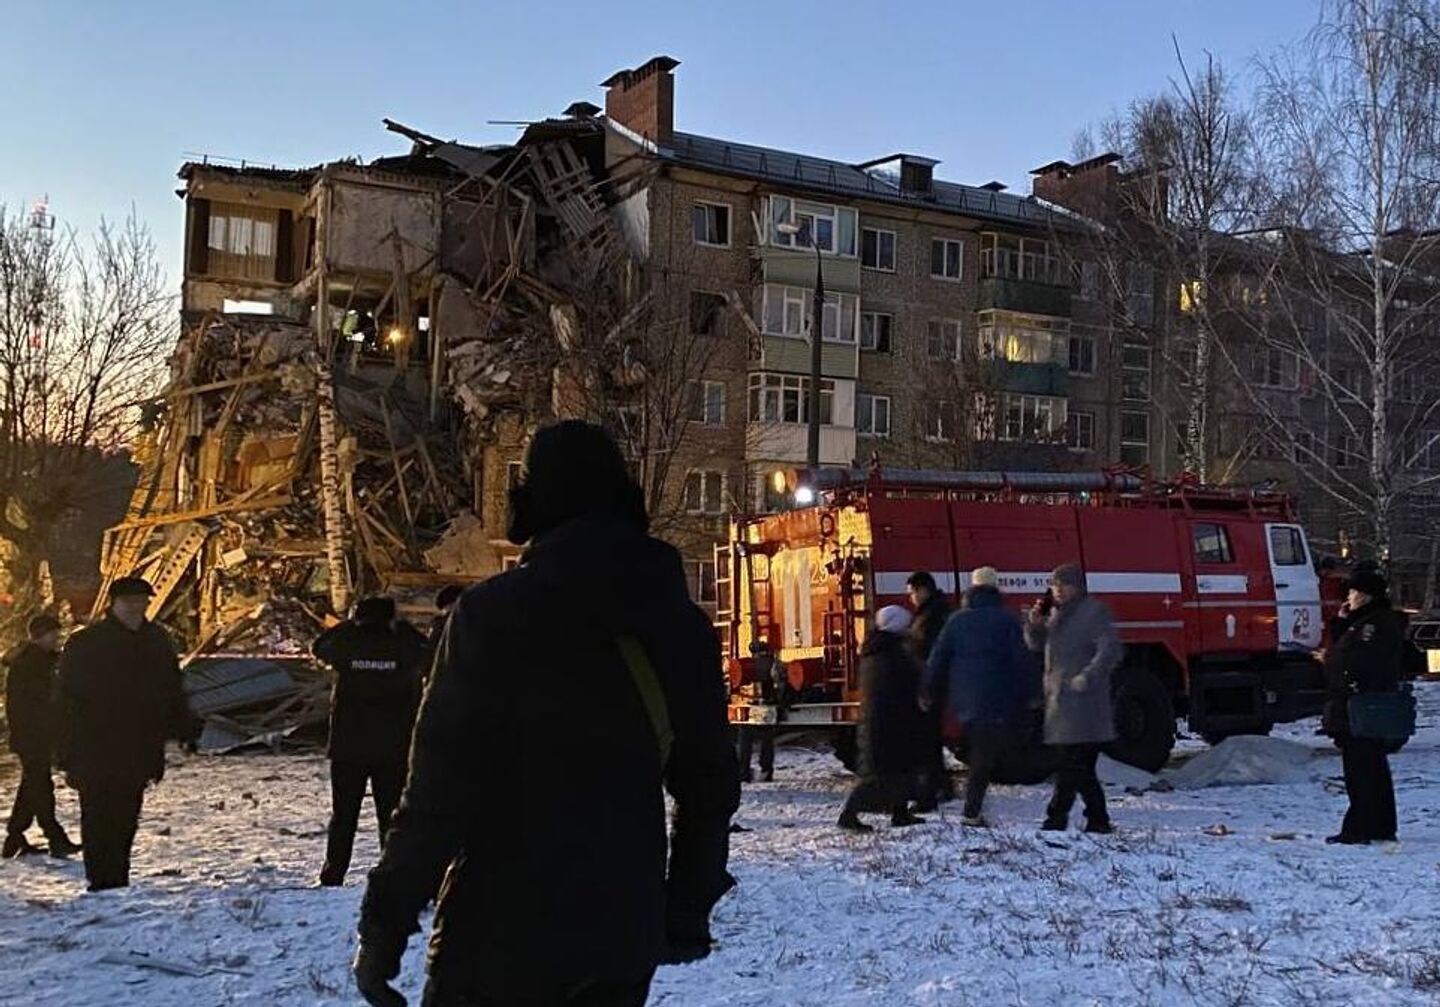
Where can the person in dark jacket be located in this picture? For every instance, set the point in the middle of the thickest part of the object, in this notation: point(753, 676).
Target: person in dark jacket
point(891, 724)
point(984, 674)
point(931, 610)
point(1076, 633)
point(771, 672)
point(1365, 657)
point(31, 709)
point(445, 600)
point(379, 663)
point(121, 700)
point(562, 898)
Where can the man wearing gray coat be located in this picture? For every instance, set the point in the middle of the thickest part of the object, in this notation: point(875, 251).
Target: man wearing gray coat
point(1077, 636)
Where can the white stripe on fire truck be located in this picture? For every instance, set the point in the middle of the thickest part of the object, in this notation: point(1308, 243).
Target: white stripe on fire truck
point(1209, 583)
point(892, 582)
point(1159, 624)
point(1240, 603)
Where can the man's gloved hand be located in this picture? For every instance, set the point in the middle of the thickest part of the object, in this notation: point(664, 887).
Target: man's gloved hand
point(376, 963)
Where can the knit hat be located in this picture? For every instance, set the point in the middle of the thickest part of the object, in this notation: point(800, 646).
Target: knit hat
point(1368, 580)
point(572, 469)
point(893, 619)
point(985, 576)
point(131, 587)
point(1069, 574)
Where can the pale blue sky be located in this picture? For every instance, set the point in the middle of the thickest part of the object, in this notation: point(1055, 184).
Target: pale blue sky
point(103, 99)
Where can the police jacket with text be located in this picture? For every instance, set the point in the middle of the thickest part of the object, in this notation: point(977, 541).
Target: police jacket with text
point(378, 674)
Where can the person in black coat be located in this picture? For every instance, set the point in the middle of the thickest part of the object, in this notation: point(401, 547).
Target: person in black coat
point(445, 600)
point(379, 663)
point(121, 700)
point(931, 612)
point(891, 724)
point(1366, 656)
point(31, 709)
point(540, 754)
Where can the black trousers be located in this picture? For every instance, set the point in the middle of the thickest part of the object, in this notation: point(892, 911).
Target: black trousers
point(109, 816)
point(888, 792)
point(618, 991)
point(748, 736)
point(35, 800)
point(934, 781)
point(988, 745)
point(1076, 775)
point(347, 793)
point(1371, 814)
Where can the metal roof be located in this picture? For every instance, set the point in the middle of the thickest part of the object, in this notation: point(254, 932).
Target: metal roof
point(838, 178)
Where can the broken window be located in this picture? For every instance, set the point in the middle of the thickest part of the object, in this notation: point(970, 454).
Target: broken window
point(711, 224)
point(706, 313)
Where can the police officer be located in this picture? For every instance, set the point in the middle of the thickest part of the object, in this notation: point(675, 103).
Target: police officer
point(30, 707)
point(121, 699)
point(379, 662)
point(1366, 657)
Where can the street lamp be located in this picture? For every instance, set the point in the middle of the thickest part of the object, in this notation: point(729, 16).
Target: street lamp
point(817, 329)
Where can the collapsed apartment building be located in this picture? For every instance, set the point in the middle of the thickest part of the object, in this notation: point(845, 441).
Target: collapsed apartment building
point(364, 349)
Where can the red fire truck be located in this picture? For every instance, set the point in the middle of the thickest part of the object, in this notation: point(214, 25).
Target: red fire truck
point(1214, 591)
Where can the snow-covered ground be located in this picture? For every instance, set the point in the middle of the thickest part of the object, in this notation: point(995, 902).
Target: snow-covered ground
point(1225, 896)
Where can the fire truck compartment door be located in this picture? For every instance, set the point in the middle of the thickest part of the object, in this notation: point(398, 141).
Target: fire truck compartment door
point(1297, 587)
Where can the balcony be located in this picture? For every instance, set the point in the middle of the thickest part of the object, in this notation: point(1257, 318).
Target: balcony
point(1030, 379)
point(787, 442)
point(1028, 296)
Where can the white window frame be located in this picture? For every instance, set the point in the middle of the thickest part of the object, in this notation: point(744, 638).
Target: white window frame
point(1288, 378)
point(707, 205)
point(889, 332)
point(879, 265)
point(701, 565)
point(940, 416)
point(865, 415)
point(798, 304)
point(775, 388)
point(703, 392)
point(1346, 455)
point(705, 505)
point(1033, 418)
point(1085, 338)
point(958, 331)
point(1127, 368)
point(945, 259)
point(788, 210)
point(1082, 438)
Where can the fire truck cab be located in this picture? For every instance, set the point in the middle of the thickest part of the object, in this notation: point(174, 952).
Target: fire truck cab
point(1213, 589)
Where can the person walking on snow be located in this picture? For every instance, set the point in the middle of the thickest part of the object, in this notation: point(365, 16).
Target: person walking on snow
point(1076, 633)
point(982, 672)
point(931, 610)
point(379, 664)
point(31, 707)
point(121, 699)
point(562, 898)
point(890, 724)
point(1366, 657)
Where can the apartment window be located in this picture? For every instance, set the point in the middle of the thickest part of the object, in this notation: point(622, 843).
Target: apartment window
point(945, 258)
point(785, 398)
point(768, 497)
point(940, 421)
point(942, 339)
point(872, 415)
point(831, 229)
point(1422, 450)
point(705, 582)
point(514, 475)
point(707, 313)
point(1135, 372)
point(1303, 447)
point(877, 249)
point(1035, 341)
point(787, 310)
point(1087, 279)
point(1345, 452)
point(875, 330)
point(1082, 353)
point(1349, 380)
point(1134, 437)
point(707, 403)
point(1012, 257)
point(711, 224)
point(704, 492)
point(241, 241)
point(1080, 430)
point(1212, 544)
point(1140, 293)
point(1031, 417)
point(1277, 368)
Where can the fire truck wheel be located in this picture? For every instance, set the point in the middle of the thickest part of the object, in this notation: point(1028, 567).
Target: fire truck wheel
point(1144, 721)
point(846, 746)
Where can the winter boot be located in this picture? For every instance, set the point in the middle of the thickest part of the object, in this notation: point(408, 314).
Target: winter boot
point(1053, 824)
point(902, 819)
point(850, 822)
point(60, 845)
point(1099, 828)
point(1340, 838)
point(767, 776)
point(16, 845)
point(975, 821)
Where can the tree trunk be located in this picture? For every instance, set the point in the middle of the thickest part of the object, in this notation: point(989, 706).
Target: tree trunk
point(330, 495)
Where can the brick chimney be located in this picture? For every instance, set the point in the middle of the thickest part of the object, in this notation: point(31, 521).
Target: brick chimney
point(643, 99)
point(1087, 187)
